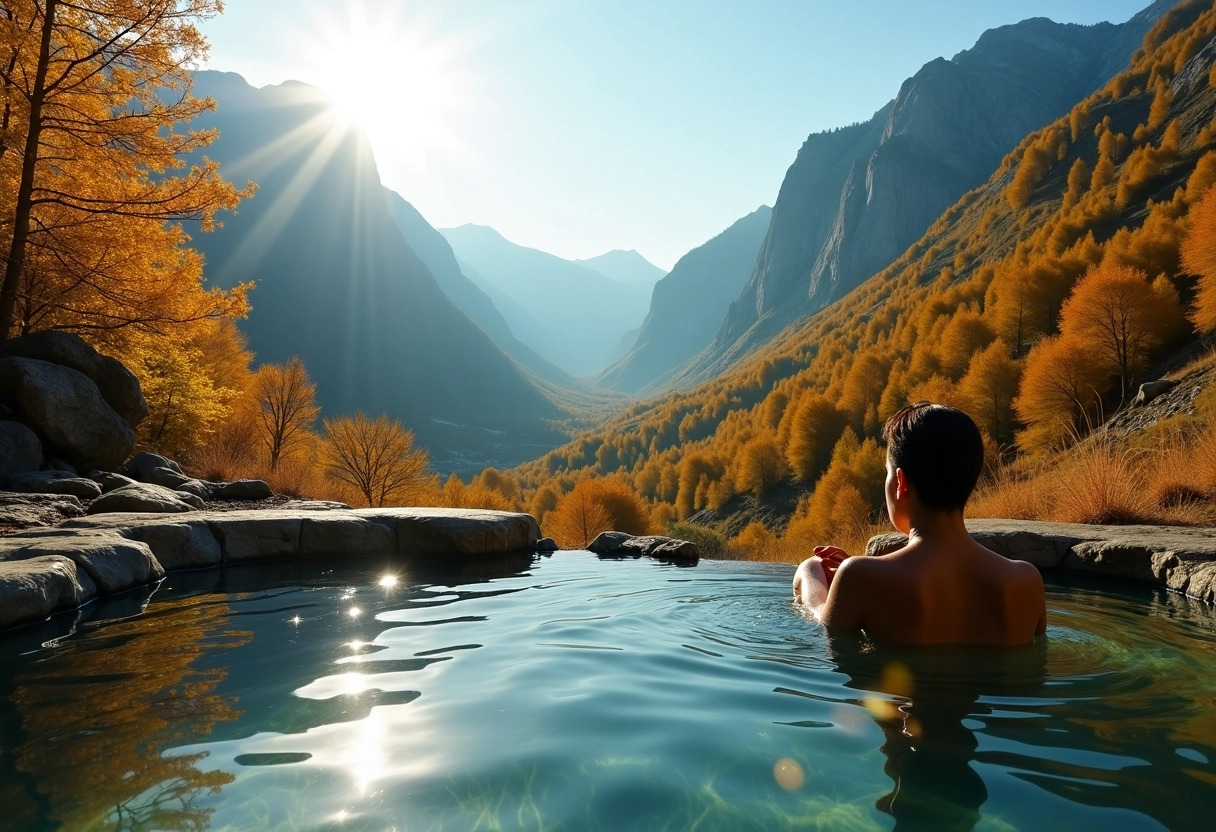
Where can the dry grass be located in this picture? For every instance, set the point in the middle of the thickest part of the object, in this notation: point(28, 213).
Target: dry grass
point(1104, 482)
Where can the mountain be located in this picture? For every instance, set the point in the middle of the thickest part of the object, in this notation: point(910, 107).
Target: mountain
point(625, 267)
point(435, 252)
point(689, 304)
point(855, 198)
point(582, 314)
point(338, 286)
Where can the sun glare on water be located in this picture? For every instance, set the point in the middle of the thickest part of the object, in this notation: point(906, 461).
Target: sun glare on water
point(389, 77)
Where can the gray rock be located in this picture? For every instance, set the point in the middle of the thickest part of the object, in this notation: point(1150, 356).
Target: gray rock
point(165, 476)
point(117, 384)
point(67, 412)
point(343, 535)
point(25, 510)
point(620, 543)
point(250, 535)
point(197, 488)
point(143, 497)
point(20, 449)
point(54, 482)
point(312, 505)
point(1151, 390)
point(109, 481)
point(244, 490)
point(456, 532)
point(32, 589)
point(546, 545)
point(179, 541)
point(113, 562)
point(140, 466)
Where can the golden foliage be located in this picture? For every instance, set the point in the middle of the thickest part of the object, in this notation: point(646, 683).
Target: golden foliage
point(94, 96)
point(286, 406)
point(1199, 259)
point(376, 457)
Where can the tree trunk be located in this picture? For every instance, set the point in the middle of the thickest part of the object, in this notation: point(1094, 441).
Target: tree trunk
point(25, 190)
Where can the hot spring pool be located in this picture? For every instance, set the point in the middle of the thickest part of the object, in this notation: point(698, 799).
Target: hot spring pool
point(581, 693)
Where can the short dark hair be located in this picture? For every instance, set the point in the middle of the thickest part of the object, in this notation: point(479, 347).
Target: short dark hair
point(940, 451)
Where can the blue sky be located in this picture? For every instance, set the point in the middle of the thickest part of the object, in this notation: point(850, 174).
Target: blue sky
point(580, 126)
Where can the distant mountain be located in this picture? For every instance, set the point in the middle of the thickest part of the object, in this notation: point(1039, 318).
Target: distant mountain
point(582, 314)
point(857, 197)
point(627, 267)
point(689, 304)
point(338, 286)
point(434, 251)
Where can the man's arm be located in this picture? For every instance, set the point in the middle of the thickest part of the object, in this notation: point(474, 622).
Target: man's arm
point(844, 604)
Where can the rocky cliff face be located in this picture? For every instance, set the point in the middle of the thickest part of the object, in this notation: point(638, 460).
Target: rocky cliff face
point(688, 305)
point(856, 198)
point(338, 286)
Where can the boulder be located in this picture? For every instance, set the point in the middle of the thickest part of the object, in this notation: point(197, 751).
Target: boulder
point(627, 545)
point(20, 449)
point(456, 532)
point(140, 466)
point(243, 490)
point(165, 476)
point(117, 384)
point(68, 412)
point(108, 480)
point(197, 488)
point(25, 510)
point(178, 541)
point(32, 589)
point(1151, 390)
point(55, 482)
point(110, 560)
point(146, 497)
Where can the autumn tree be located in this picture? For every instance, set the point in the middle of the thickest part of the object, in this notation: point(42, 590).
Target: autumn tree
point(989, 388)
point(1116, 311)
point(1061, 392)
point(94, 94)
point(286, 406)
point(1199, 258)
point(817, 424)
point(579, 516)
point(761, 465)
point(377, 458)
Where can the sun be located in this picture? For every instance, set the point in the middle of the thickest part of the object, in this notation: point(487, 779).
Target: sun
point(390, 78)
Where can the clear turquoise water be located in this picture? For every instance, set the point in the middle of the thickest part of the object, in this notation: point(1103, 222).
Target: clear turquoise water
point(576, 693)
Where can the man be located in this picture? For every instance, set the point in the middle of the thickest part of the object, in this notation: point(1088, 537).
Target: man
point(942, 587)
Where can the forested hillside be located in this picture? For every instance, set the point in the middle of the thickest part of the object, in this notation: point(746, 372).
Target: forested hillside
point(1038, 302)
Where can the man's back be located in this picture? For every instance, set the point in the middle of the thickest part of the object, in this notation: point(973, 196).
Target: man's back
point(964, 594)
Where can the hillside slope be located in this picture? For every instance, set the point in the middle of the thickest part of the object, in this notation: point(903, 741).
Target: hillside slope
point(855, 198)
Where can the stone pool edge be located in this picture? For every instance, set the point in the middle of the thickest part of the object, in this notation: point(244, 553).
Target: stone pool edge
point(1178, 558)
point(48, 570)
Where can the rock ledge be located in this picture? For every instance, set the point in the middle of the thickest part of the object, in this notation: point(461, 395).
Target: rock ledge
point(47, 570)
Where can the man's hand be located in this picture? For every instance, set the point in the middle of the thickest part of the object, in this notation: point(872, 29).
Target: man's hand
point(830, 557)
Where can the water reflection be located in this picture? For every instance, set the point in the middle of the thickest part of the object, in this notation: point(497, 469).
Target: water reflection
point(86, 727)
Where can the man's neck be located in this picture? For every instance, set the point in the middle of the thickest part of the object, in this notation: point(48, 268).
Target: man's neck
point(937, 527)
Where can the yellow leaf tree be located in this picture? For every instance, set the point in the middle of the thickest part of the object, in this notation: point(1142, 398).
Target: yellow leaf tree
point(377, 458)
point(287, 406)
point(92, 166)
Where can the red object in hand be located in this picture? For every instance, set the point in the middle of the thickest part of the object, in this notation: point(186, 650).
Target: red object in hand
point(831, 557)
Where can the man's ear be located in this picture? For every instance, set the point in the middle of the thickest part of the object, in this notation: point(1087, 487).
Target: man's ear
point(901, 483)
